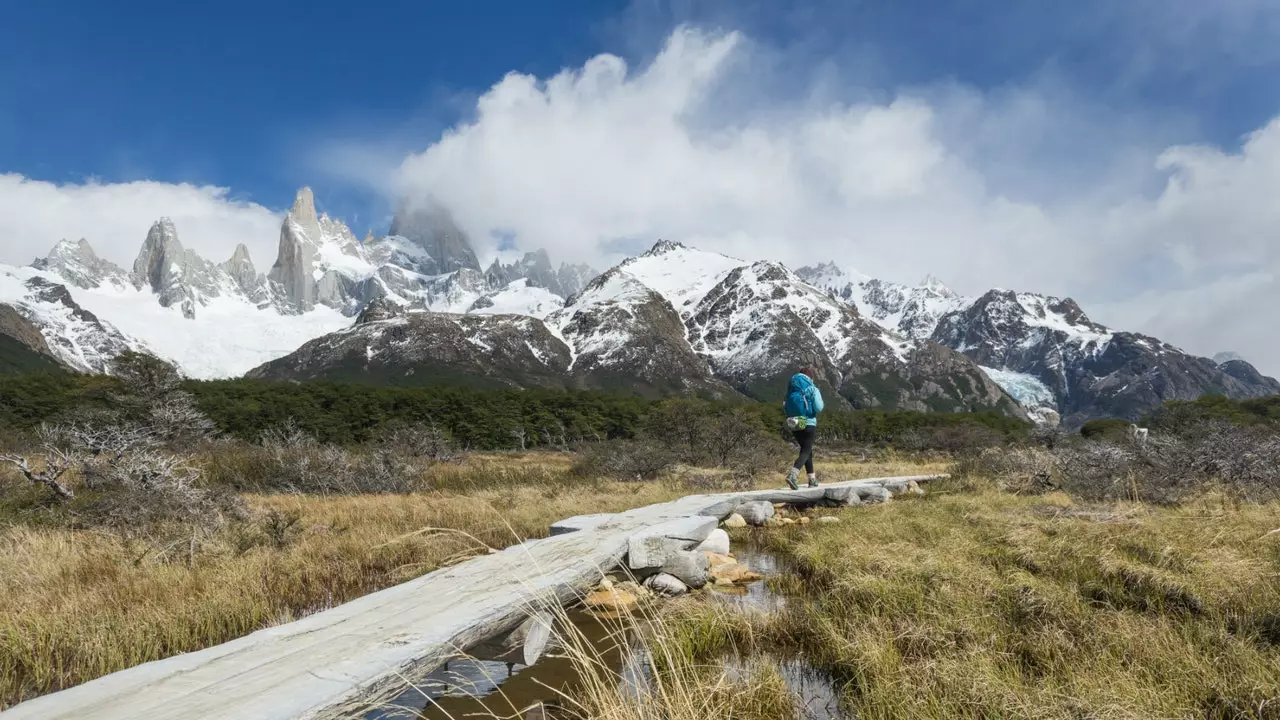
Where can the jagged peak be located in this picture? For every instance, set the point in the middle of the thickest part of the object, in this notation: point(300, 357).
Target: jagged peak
point(933, 284)
point(1227, 356)
point(379, 309)
point(304, 205)
point(662, 247)
point(241, 256)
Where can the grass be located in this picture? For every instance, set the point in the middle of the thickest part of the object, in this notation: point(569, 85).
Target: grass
point(76, 604)
point(982, 604)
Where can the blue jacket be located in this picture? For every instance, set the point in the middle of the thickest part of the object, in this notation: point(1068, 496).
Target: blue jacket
point(803, 398)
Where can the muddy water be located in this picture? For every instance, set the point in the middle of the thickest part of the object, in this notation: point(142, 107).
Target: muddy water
point(469, 688)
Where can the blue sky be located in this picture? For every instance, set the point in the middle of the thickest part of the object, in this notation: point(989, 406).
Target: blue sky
point(1125, 153)
point(235, 93)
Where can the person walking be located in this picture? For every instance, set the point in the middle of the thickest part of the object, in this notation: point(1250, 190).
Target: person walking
point(804, 402)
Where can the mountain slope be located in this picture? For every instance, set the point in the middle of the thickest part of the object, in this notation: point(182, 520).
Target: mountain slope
point(22, 346)
point(1045, 351)
point(390, 346)
point(626, 336)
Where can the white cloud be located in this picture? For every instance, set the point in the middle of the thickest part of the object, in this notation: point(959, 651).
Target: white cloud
point(115, 217)
point(1018, 190)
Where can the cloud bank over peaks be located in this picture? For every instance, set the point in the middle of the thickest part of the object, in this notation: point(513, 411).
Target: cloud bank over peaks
point(1028, 188)
point(115, 217)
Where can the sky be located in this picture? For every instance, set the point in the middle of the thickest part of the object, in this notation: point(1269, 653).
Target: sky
point(1126, 154)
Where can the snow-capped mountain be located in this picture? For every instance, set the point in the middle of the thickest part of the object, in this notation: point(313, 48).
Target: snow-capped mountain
point(221, 320)
point(676, 319)
point(416, 307)
point(1045, 351)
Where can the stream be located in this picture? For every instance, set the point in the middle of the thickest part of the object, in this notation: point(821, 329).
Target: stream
point(468, 688)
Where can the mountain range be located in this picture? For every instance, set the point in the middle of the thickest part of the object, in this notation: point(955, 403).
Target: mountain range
point(416, 307)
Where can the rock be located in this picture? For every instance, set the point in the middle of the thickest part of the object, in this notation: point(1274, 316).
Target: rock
point(652, 547)
point(779, 505)
point(828, 520)
point(873, 495)
point(719, 558)
point(630, 587)
point(842, 496)
point(730, 573)
point(614, 600)
point(773, 522)
point(666, 585)
point(691, 568)
point(652, 551)
point(788, 521)
point(717, 542)
point(735, 521)
point(606, 584)
point(756, 513)
point(914, 488)
point(803, 521)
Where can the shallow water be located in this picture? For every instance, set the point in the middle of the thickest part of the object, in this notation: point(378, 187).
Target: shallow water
point(468, 688)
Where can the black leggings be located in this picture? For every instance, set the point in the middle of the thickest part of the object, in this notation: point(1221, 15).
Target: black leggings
point(805, 437)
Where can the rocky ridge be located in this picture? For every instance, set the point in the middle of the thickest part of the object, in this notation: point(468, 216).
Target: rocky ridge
point(1046, 351)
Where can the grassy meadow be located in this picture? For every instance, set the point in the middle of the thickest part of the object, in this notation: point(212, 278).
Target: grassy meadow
point(76, 604)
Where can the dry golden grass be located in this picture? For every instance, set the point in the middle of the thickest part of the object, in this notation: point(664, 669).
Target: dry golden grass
point(978, 605)
point(79, 604)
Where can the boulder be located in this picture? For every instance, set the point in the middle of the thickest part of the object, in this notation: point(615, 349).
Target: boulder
point(873, 495)
point(716, 542)
point(735, 521)
point(651, 548)
point(666, 584)
point(803, 521)
point(756, 513)
point(914, 488)
point(691, 568)
point(842, 496)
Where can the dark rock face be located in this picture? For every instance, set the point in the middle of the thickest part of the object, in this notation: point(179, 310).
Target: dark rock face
point(536, 268)
point(629, 337)
point(81, 340)
point(22, 346)
point(1092, 371)
point(432, 349)
point(431, 227)
point(761, 324)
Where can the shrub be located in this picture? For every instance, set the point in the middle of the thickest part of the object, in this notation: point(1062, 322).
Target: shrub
point(624, 460)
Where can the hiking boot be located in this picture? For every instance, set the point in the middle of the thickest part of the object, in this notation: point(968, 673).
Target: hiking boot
point(792, 477)
point(813, 481)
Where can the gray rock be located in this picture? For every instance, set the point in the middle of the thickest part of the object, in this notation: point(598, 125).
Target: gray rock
point(842, 496)
point(691, 568)
point(873, 495)
point(652, 547)
point(579, 522)
point(430, 226)
point(666, 584)
point(756, 512)
point(735, 521)
point(717, 542)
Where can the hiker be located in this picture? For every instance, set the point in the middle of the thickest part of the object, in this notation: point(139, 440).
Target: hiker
point(803, 404)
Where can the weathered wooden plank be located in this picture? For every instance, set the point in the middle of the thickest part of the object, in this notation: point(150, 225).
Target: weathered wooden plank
point(326, 665)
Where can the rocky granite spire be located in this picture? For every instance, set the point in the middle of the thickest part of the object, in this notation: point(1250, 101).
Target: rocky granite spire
point(293, 273)
point(246, 278)
point(163, 265)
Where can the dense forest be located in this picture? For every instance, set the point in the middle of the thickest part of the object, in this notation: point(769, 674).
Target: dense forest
point(349, 414)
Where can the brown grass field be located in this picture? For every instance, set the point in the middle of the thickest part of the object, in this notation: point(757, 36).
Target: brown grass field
point(79, 604)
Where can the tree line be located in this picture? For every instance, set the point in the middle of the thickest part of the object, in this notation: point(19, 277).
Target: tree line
point(354, 414)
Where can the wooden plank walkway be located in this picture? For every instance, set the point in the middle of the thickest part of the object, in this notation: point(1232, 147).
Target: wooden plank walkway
point(331, 663)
